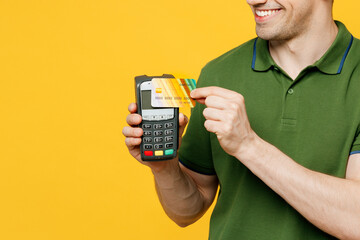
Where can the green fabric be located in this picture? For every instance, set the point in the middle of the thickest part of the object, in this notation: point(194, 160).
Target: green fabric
point(316, 124)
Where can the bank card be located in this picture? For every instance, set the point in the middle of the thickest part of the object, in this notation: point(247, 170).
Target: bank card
point(172, 92)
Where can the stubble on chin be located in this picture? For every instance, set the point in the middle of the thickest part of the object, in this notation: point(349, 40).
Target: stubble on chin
point(275, 33)
point(266, 33)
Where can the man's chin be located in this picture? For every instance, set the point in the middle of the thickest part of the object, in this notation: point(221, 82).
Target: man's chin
point(270, 35)
point(264, 35)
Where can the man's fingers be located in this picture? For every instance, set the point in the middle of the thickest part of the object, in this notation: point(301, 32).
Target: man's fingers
point(201, 100)
point(132, 142)
point(213, 126)
point(183, 120)
point(132, 107)
point(133, 119)
point(132, 132)
point(216, 91)
point(216, 102)
point(213, 114)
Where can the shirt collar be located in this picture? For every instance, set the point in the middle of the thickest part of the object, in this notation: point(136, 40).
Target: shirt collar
point(262, 60)
point(330, 63)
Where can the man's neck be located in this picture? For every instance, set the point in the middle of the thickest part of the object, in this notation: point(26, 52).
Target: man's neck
point(296, 54)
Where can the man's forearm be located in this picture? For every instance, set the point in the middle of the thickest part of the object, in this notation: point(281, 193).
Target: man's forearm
point(330, 203)
point(179, 195)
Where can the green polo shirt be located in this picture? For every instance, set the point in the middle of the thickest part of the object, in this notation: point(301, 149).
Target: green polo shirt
point(314, 119)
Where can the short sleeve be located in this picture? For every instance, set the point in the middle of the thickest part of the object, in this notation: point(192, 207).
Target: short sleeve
point(355, 148)
point(195, 150)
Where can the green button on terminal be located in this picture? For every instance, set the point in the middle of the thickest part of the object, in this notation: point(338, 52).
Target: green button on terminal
point(169, 151)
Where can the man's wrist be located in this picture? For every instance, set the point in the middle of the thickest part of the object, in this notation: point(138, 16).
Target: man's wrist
point(167, 174)
point(251, 149)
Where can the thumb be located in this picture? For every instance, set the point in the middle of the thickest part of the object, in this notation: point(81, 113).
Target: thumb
point(183, 120)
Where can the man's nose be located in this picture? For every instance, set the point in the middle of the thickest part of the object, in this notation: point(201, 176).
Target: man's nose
point(256, 2)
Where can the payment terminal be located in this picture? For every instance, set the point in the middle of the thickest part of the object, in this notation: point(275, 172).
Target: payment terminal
point(160, 125)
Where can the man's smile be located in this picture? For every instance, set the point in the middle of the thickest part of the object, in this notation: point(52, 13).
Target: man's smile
point(262, 15)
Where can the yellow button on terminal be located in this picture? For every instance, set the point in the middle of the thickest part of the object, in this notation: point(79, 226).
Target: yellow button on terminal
point(159, 153)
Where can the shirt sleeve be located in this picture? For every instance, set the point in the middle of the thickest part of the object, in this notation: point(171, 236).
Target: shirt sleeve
point(195, 150)
point(355, 148)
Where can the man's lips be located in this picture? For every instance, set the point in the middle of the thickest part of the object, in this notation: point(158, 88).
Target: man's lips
point(265, 14)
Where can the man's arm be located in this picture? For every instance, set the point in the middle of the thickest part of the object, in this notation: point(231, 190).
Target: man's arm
point(332, 204)
point(184, 194)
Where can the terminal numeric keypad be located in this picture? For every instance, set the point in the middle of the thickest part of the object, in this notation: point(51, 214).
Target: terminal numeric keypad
point(159, 138)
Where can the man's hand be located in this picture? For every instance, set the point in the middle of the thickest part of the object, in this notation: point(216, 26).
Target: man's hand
point(133, 137)
point(184, 194)
point(226, 117)
point(330, 203)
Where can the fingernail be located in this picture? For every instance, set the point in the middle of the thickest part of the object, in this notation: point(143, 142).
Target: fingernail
point(192, 93)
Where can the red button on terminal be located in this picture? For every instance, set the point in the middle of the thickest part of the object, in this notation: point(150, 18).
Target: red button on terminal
point(148, 153)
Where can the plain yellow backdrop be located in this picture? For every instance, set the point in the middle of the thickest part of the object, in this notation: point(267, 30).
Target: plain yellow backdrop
point(67, 72)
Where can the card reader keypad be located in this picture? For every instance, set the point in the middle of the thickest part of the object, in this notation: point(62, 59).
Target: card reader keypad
point(159, 138)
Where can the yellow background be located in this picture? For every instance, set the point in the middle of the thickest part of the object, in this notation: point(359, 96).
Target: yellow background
point(66, 78)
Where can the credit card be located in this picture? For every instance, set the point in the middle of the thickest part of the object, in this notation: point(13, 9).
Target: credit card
point(172, 92)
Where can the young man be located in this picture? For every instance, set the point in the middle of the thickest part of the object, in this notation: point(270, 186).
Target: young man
point(287, 164)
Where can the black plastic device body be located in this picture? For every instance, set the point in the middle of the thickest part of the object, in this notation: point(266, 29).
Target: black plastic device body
point(160, 140)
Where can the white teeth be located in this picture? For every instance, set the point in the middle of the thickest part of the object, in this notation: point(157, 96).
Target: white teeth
point(262, 13)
